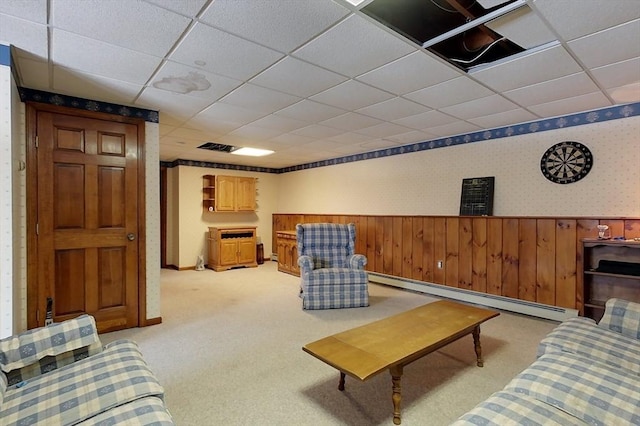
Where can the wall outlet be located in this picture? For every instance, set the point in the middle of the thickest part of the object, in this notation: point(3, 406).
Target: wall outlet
point(439, 264)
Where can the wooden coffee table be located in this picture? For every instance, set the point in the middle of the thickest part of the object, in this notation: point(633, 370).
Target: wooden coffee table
point(396, 341)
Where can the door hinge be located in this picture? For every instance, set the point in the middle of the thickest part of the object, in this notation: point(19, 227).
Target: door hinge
point(37, 142)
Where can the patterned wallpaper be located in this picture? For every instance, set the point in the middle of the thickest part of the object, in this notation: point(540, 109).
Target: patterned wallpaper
point(6, 222)
point(429, 182)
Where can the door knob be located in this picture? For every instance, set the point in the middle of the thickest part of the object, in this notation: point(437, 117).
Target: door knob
point(131, 236)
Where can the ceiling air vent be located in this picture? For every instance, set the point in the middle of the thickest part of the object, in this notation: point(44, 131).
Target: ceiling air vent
point(217, 147)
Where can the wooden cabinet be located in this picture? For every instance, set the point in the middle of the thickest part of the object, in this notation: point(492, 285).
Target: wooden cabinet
point(232, 247)
point(228, 193)
point(287, 250)
point(611, 269)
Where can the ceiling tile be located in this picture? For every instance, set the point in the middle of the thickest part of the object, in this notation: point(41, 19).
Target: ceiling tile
point(189, 8)
point(138, 26)
point(613, 45)
point(351, 95)
point(104, 89)
point(551, 90)
point(393, 109)
point(353, 47)
point(457, 128)
point(307, 110)
point(571, 20)
point(410, 73)
point(259, 98)
point(34, 10)
point(425, 120)
point(279, 122)
point(29, 38)
point(411, 137)
point(351, 121)
point(231, 113)
point(626, 93)
point(571, 105)
point(529, 69)
point(241, 59)
point(480, 107)
point(523, 27)
point(178, 105)
point(298, 78)
point(291, 139)
point(101, 58)
point(618, 74)
point(282, 25)
point(350, 138)
point(190, 81)
point(317, 131)
point(450, 92)
point(384, 130)
point(503, 118)
point(251, 133)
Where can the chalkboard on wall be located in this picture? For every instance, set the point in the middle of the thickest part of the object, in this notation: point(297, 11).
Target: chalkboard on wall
point(477, 196)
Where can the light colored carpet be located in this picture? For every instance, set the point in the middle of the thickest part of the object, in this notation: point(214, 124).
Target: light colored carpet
point(229, 353)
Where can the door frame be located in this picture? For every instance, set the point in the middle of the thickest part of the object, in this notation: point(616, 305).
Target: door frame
point(36, 306)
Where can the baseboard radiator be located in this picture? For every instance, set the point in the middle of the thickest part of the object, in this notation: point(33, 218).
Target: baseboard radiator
point(540, 310)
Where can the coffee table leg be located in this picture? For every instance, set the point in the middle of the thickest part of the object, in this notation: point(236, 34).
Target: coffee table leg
point(341, 383)
point(476, 344)
point(396, 375)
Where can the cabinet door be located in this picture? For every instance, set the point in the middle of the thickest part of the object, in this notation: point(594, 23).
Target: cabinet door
point(225, 193)
point(228, 252)
point(245, 194)
point(246, 251)
point(294, 258)
point(282, 251)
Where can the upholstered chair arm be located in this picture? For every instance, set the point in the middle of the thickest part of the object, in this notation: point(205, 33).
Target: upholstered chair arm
point(357, 261)
point(305, 263)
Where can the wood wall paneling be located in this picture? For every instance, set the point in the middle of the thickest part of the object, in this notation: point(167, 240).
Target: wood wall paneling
point(532, 259)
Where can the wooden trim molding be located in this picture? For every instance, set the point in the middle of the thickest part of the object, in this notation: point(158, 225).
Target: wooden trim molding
point(535, 259)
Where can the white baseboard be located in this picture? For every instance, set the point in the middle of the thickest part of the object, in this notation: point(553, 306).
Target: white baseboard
point(499, 302)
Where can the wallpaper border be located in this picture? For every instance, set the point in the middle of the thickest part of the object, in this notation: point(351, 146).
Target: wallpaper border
point(41, 96)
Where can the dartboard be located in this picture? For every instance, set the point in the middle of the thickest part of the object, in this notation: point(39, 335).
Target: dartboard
point(566, 162)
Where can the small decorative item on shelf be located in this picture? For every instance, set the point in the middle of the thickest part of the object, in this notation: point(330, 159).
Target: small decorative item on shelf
point(602, 231)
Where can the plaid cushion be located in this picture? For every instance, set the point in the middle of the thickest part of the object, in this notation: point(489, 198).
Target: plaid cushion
point(509, 408)
point(50, 363)
point(581, 336)
point(33, 345)
point(144, 411)
point(623, 317)
point(335, 288)
point(328, 244)
point(81, 390)
point(589, 391)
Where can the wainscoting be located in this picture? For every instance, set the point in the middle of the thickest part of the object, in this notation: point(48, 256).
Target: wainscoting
point(533, 259)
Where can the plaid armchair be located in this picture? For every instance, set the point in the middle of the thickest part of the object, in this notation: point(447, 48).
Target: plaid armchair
point(332, 275)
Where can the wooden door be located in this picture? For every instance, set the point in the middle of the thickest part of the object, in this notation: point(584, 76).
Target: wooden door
point(87, 218)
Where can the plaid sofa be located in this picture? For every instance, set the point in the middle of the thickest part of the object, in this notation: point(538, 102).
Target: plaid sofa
point(61, 375)
point(585, 374)
point(332, 276)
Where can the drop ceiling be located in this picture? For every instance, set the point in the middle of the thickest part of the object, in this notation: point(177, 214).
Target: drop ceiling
point(318, 79)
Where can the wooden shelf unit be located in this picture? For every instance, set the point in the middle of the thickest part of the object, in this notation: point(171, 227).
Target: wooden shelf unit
point(232, 247)
point(287, 250)
point(611, 269)
point(228, 193)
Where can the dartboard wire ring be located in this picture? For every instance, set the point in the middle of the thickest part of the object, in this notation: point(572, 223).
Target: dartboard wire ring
point(566, 162)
